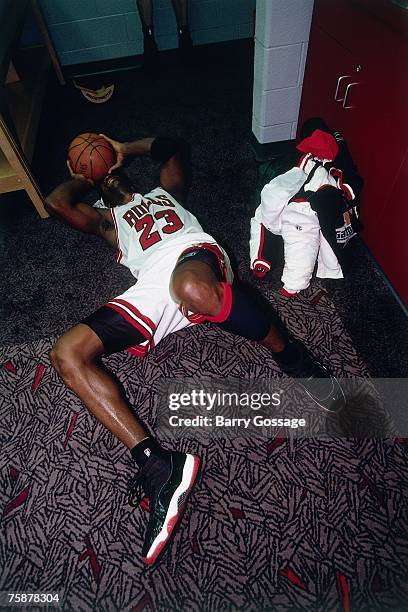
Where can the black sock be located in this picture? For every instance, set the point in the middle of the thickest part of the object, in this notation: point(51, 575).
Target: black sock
point(143, 451)
point(290, 354)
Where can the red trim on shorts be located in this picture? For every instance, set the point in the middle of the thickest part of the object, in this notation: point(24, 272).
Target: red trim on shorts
point(130, 320)
point(140, 351)
point(137, 313)
point(263, 262)
point(194, 317)
point(348, 191)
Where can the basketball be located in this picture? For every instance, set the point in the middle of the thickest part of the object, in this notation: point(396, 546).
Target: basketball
point(91, 155)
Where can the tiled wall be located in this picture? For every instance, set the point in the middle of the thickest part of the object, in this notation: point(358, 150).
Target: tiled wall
point(281, 41)
point(94, 30)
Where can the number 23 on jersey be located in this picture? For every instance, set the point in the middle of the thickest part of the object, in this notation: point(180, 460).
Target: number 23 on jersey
point(144, 225)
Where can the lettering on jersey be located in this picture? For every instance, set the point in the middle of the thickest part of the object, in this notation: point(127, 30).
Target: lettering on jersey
point(145, 223)
point(139, 210)
point(130, 217)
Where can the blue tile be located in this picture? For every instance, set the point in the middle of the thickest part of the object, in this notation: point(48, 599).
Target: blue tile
point(60, 11)
point(236, 11)
point(204, 15)
point(213, 35)
point(81, 56)
point(133, 27)
point(168, 41)
point(124, 49)
point(164, 22)
point(90, 30)
point(89, 33)
point(245, 30)
point(115, 7)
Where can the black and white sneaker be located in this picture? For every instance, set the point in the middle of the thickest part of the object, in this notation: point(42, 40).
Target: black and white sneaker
point(320, 385)
point(167, 481)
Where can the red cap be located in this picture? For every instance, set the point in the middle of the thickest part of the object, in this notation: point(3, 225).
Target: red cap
point(321, 144)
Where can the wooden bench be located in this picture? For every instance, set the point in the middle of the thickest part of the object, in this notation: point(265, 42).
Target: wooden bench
point(21, 97)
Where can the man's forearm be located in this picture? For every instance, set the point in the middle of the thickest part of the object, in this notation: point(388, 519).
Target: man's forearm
point(161, 148)
point(65, 203)
point(138, 147)
point(69, 193)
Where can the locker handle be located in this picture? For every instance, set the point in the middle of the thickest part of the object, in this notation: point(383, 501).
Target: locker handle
point(349, 86)
point(339, 81)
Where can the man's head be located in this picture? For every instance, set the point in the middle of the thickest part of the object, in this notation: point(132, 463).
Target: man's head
point(116, 189)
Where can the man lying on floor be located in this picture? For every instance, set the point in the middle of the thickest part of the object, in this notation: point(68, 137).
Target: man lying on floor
point(183, 278)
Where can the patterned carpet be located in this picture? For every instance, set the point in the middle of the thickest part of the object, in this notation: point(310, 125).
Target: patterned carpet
point(273, 524)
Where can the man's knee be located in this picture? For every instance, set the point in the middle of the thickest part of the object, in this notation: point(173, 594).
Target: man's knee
point(73, 351)
point(65, 360)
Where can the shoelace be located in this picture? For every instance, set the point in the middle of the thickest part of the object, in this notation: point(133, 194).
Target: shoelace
point(136, 488)
point(146, 483)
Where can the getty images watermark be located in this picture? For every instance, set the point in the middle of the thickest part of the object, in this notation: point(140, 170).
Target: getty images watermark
point(214, 402)
point(198, 408)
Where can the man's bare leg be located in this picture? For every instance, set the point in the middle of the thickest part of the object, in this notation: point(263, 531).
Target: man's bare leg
point(167, 478)
point(145, 8)
point(180, 11)
point(180, 8)
point(75, 358)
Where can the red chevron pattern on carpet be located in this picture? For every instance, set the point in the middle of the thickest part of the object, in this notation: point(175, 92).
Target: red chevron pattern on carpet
point(279, 524)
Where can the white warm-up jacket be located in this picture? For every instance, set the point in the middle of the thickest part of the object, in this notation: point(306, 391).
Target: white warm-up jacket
point(283, 213)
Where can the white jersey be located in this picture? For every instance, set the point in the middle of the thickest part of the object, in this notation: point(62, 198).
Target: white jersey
point(152, 232)
point(149, 225)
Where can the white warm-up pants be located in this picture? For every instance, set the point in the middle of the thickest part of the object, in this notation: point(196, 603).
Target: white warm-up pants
point(303, 245)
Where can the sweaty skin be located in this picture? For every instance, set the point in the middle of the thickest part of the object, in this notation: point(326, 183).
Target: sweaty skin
point(76, 355)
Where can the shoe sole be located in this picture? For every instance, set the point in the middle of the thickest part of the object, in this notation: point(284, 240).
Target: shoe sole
point(175, 510)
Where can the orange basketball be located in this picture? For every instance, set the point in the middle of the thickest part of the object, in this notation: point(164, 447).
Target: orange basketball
point(91, 155)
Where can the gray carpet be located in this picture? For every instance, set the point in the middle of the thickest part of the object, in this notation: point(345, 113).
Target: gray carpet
point(274, 523)
point(53, 276)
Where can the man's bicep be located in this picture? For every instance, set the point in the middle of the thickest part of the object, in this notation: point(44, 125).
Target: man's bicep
point(175, 176)
point(81, 216)
point(85, 218)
